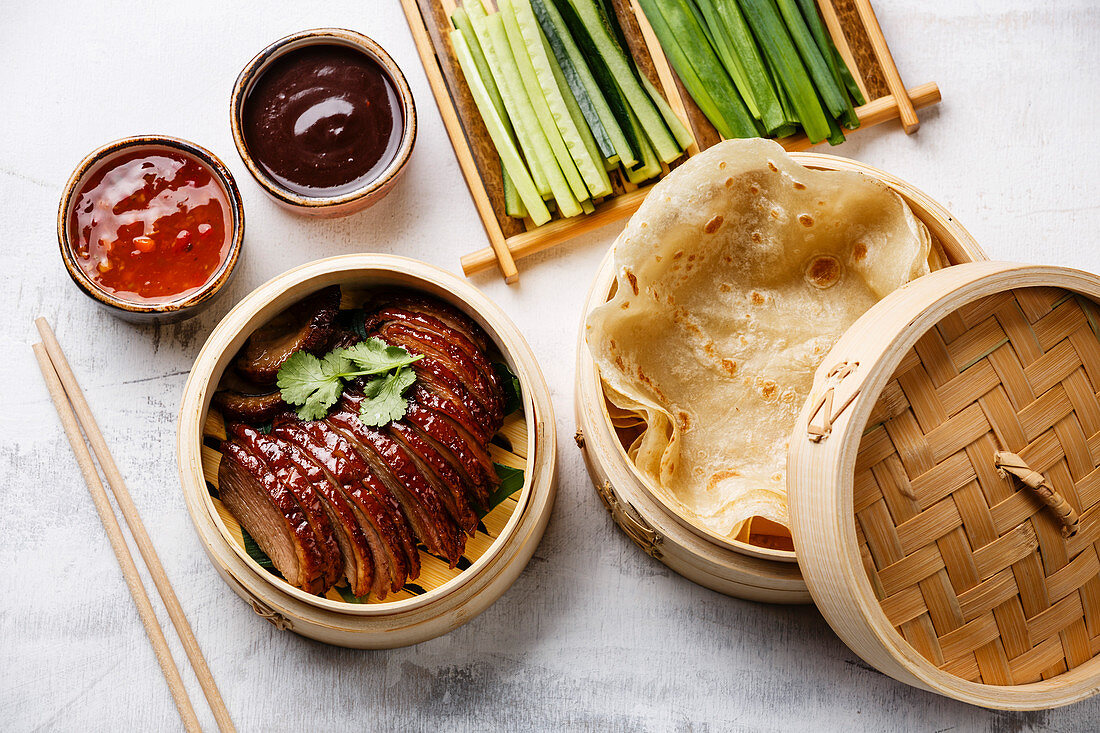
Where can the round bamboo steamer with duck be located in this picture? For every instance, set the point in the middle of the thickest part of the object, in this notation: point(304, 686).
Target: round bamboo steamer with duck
point(443, 597)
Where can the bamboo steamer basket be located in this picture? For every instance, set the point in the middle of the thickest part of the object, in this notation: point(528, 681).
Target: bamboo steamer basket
point(943, 480)
point(451, 597)
point(733, 568)
point(945, 490)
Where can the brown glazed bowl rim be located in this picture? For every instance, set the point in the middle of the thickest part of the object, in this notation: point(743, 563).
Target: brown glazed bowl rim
point(216, 281)
point(322, 36)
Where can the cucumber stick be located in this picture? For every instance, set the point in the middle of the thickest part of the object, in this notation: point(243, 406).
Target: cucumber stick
point(509, 155)
point(590, 172)
point(678, 129)
point(565, 179)
point(650, 167)
point(603, 187)
point(756, 73)
point(553, 27)
point(675, 125)
point(513, 204)
point(494, 41)
point(461, 19)
point(598, 81)
point(622, 71)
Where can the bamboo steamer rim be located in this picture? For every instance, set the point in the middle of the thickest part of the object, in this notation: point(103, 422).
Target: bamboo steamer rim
point(272, 297)
point(957, 242)
point(821, 477)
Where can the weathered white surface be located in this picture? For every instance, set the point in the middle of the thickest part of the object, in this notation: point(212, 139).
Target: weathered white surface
point(595, 634)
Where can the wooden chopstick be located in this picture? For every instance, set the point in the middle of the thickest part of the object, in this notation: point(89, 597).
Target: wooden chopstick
point(118, 542)
point(906, 112)
point(133, 520)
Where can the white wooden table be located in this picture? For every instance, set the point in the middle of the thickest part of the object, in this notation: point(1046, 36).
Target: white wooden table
point(594, 634)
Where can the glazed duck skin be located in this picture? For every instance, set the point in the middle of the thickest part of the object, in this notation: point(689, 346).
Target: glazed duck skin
point(450, 486)
point(419, 342)
point(437, 309)
point(358, 563)
point(305, 326)
point(255, 408)
point(271, 515)
point(349, 468)
point(435, 330)
point(452, 445)
point(330, 451)
point(439, 379)
point(399, 473)
point(275, 453)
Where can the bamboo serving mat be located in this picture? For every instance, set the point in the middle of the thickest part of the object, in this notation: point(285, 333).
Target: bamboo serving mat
point(854, 29)
point(970, 566)
point(434, 572)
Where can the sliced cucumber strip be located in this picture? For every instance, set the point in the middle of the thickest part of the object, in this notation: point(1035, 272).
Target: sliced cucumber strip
point(509, 155)
point(622, 71)
point(541, 61)
point(603, 187)
point(565, 179)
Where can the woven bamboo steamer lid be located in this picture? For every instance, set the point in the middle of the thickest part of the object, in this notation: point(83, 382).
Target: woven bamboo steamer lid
point(929, 562)
point(442, 607)
point(734, 568)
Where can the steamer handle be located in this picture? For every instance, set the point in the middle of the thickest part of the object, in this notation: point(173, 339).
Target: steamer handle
point(276, 619)
point(633, 524)
point(824, 413)
point(1010, 463)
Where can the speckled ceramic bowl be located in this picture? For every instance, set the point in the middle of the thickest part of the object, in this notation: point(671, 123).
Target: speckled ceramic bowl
point(172, 310)
point(372, 191)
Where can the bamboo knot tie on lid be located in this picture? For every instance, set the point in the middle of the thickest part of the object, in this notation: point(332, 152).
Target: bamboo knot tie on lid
point(1010, 463)
point(961, 467)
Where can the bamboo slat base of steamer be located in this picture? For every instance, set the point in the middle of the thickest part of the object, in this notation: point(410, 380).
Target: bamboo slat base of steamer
point(851, 23)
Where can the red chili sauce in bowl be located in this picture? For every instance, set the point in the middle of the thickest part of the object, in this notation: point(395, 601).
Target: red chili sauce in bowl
point(150, 226)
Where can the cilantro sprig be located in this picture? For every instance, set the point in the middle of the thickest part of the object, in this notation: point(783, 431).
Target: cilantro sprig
point(314, 384)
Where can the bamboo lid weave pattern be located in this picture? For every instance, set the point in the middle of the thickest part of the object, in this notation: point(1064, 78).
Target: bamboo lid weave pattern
point(969, 564)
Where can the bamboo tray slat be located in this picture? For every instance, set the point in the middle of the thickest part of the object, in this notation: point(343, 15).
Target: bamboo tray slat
point(851, 23)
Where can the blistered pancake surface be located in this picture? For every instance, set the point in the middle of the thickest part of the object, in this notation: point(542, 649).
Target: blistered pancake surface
point(734, 279)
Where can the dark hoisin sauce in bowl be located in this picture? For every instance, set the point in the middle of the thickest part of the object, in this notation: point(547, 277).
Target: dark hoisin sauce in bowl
point(323, 120)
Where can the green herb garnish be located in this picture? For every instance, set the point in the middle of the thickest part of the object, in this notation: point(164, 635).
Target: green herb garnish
point(511, 481)
point(509, 382)
point(314, 384)
point(385, 399)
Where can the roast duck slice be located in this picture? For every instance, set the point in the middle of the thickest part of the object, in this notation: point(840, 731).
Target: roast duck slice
point(307, 325)
point(271, 514)
point(392, 551)
point(334, 498)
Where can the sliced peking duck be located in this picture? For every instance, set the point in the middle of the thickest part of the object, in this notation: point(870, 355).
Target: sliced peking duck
point(334, 499)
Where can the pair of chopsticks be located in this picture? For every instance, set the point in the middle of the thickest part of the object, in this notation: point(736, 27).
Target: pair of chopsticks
point(75, 414)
